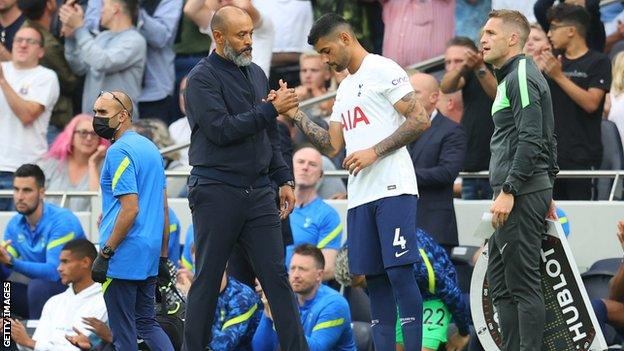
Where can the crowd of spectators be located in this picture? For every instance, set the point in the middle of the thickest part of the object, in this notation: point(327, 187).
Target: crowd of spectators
point(56, 59)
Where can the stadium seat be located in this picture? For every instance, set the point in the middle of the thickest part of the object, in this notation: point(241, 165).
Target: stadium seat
point(461, 256)
point(359, 303)
point(363, 336)
point(607, 265)
point(612, 159)
point(597, 285)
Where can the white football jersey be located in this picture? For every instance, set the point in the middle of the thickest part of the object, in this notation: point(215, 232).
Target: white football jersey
point(365, 107)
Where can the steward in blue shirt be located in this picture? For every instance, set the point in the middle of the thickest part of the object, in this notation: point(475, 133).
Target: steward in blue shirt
point(235, 154)
point(325, 314)
point(134, 227)
point(32, 242)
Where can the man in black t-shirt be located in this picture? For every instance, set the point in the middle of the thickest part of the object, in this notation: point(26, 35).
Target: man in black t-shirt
point(11, 19)
point(579, 78)
point(466, 70)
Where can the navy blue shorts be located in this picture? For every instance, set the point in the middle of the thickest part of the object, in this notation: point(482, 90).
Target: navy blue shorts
point(382, 234)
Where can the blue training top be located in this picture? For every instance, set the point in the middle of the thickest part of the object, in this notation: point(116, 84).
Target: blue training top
point(236, 317)
point(133, 165)
point(36, 252)
point(316, 223)
point(326, 323)
point(187, 258)
point(174, 238)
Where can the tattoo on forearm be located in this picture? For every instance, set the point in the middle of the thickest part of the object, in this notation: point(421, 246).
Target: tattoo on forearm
point(316, 134)
point(415, 124)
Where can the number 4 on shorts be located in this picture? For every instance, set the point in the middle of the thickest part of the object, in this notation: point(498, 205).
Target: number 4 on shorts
point(399, 240)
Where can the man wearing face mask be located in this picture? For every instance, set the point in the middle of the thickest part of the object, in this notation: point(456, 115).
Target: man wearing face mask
point(134, 230)
point(235, 154)
point(32, 243)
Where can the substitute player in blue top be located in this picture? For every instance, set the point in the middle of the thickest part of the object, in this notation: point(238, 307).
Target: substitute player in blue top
point(325, 314)
point(375, 115)
point(134, 228)
point(32, 242)
point(313, 221)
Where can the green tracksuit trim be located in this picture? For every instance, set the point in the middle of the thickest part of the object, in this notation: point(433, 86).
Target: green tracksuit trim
point(523, 145)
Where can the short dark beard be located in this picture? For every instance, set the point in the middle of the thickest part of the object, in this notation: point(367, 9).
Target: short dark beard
point(239, 59)
point(29, 210)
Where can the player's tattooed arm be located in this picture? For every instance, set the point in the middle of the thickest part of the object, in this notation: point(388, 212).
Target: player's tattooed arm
point(416, 122)
point(326, 141)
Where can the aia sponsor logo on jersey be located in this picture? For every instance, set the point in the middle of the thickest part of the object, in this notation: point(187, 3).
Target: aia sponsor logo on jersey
point(351, 120)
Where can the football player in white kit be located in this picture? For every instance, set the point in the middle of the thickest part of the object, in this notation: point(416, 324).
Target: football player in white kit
point(376, 113)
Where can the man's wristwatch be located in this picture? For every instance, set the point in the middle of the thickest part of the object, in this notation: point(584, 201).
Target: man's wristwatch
point(107, 251)
point(290, 183)
point(508, 188)
point(481, 72)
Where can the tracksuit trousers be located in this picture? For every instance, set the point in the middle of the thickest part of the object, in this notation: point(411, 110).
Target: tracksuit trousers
point(514, 272)
point(223, 216)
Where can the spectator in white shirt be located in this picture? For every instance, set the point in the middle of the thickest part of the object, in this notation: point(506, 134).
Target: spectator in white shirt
point(29, 92)
point(66, 314)
point(201, 12)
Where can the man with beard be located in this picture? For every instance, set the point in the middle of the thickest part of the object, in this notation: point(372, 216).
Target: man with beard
point(325, 314)
point(375, 115)
point(235, 155)
point(32, 244)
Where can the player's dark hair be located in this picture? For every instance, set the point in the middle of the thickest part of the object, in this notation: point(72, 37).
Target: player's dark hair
point(312, 251)
point(81, 248)
point(326, 25)
point(573, 15)
point(31, 170)
point(462, 41)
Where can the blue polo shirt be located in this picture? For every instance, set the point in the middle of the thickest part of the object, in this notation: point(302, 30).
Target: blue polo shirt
point(187, 257)
point(36, 251)
point(133, 165)
point(174, 238)
point(316, 223)
point(326, 321)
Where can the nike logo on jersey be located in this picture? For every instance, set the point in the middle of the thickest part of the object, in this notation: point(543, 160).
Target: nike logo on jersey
point(397, 254)
point(407, 320)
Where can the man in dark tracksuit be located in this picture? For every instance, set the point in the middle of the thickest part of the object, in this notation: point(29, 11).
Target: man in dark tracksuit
point(522, 172)
point(235, 154)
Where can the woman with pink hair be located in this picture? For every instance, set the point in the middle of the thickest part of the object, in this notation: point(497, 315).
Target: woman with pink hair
point(74, 161)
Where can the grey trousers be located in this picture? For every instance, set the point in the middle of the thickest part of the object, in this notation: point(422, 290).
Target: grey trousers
point(514, 272)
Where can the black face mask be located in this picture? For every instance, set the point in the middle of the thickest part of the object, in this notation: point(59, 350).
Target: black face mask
point(102, 127)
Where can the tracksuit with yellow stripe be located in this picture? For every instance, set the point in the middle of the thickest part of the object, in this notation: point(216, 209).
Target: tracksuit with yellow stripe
point(35, 253)
point(326, 324)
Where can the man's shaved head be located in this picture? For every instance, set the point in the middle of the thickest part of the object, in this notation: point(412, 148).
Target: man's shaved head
point(427, 89)
point(125, 100)
point(224, 16)
point(426, 82)
point(232, 29)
